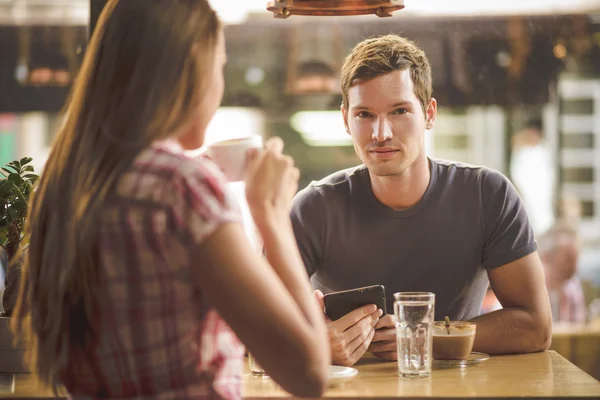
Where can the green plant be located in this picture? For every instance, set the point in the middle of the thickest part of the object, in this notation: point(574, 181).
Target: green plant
point(16, 185)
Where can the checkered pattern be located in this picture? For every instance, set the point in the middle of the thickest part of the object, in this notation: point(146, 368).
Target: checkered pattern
point(159, 338)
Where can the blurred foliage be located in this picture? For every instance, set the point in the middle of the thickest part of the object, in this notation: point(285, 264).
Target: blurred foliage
point(16, 185)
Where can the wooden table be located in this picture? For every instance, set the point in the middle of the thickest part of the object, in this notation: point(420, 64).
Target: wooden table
point(580, 344)
point(539, 375)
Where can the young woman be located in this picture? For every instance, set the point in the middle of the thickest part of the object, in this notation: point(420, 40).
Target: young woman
point(139, 278)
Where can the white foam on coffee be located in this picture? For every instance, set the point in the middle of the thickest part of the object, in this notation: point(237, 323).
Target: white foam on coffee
point(438, 331)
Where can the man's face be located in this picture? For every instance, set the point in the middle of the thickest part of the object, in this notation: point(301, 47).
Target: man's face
point(387, 123)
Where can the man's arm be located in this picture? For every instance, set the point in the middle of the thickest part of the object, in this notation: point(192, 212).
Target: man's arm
point(516, 274)
point(524, 324)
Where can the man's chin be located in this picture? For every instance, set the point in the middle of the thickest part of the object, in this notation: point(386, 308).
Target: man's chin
point(384, 170)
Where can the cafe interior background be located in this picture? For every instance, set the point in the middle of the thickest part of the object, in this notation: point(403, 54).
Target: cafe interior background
point(498, 66)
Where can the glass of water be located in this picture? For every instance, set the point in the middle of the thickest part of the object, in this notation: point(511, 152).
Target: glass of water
point(414, 326)
point(255, 368)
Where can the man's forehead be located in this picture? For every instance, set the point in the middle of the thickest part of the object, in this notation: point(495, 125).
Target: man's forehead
point(381, 99)
point(388, 89)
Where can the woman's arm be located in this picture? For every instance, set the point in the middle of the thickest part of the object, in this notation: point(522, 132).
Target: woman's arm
point(270, 307)
point(268, 303)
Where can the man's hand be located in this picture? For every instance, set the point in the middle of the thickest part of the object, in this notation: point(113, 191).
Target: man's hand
point(350, 336)
point(383, 344)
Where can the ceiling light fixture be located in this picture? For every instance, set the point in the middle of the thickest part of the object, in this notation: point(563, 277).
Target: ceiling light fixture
point(287, 8)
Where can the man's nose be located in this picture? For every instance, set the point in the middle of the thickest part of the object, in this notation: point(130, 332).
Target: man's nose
point(382, 130)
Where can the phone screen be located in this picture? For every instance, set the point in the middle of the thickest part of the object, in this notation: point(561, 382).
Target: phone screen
point(338, 304)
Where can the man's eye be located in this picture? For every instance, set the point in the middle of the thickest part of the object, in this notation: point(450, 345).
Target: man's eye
point(400, 110)
point(363, 114)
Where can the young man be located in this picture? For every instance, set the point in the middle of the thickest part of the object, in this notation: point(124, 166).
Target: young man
point(416, 224)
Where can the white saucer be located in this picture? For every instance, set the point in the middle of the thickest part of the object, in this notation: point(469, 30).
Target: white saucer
point(338, 375)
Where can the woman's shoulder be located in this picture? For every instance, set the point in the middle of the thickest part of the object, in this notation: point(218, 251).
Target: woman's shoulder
point(169, 157)
point(163, 171)
point(191, 188)
point(172, 163)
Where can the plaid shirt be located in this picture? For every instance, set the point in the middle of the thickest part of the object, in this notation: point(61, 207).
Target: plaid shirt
point(159, 338)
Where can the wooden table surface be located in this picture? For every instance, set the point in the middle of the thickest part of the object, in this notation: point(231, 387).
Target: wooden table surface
point(580, 344)
point(539, 375)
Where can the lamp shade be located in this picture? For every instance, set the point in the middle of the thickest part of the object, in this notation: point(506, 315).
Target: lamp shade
point(287, 8)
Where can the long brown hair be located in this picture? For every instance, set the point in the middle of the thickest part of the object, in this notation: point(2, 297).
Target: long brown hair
point(141, 80)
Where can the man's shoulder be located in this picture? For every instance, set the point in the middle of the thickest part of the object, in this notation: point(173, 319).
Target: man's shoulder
point(459, 167)
point(337, 184)
point(339, 178)
point(457, 171)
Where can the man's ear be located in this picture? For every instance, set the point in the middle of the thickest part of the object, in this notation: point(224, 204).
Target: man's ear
point(431, 114)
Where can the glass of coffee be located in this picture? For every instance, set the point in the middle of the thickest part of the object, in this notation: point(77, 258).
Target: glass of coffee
point(453, 340)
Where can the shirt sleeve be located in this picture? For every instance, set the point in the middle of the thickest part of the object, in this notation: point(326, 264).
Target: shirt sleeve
point(204, 202)
point(508, 233)
point(308, 221)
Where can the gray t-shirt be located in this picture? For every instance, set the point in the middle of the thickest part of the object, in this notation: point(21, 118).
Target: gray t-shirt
point(469, 220)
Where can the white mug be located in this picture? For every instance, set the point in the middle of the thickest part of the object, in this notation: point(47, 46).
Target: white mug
point(230, 155)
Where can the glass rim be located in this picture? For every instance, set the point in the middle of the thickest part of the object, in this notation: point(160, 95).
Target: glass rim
point(401, 295)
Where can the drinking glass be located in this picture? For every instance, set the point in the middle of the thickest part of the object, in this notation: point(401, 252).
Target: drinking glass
point(255, 367)
point(414, 325)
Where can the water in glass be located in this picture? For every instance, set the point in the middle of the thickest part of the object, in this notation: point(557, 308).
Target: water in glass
point(255, 367)
point(415, 318)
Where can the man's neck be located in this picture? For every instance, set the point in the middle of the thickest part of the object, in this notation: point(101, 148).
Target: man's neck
point(404, 190)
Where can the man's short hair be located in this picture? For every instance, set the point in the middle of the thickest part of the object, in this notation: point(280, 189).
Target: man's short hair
point(381, 55)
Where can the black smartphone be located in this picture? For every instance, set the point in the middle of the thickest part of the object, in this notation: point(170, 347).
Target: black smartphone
point(338, 304)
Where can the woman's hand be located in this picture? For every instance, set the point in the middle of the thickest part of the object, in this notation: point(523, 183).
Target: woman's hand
point(271, 181)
